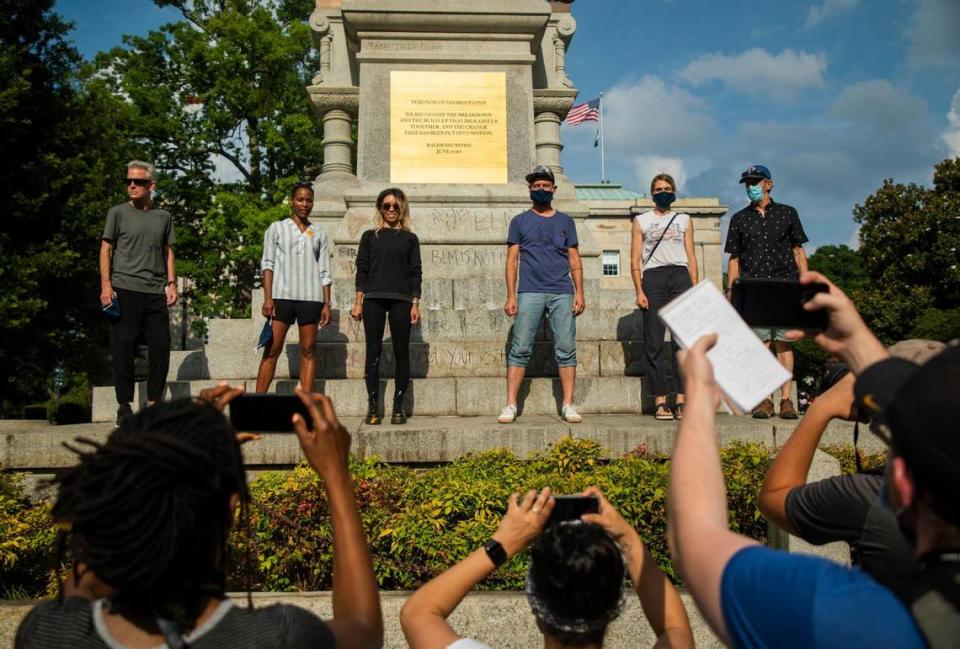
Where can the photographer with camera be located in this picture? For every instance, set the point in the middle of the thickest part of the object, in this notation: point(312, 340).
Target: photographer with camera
point(758, 597)
point(840, 508)
point(574, 582)
point(146, 516)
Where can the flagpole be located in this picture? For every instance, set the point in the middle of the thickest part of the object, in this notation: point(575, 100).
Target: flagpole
point(603, 169)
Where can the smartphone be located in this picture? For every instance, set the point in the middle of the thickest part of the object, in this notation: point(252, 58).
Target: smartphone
point(778, 303)
point(266, 413)
point(571, 508)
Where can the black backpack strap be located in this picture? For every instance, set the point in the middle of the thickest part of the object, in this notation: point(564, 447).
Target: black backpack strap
point(662, 235)
point(933, 599)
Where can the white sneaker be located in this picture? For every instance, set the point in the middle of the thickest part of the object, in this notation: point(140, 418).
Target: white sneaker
point(507, 415)
point(570, 414)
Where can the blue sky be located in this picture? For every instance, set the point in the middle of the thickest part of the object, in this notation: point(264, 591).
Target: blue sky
point(833, 95)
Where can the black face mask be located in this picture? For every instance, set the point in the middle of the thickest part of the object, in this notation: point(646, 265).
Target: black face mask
point(541, 196)
point(663, 200)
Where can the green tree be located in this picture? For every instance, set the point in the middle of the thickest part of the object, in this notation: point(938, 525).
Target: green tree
point(225, 86)
point(59, 169)
point(843, 265)
point(909, 239)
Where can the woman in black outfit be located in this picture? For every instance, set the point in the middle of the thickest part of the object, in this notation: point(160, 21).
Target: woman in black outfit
point(388, 286)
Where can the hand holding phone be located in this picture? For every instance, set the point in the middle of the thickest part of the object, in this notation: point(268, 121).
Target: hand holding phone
point(266, 413)
point(778, 303)
point(571, 508)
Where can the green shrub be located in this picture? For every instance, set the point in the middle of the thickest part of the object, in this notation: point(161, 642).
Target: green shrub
point(27, 541)
point(848, 465)
point(421, 522)
point(418, 522)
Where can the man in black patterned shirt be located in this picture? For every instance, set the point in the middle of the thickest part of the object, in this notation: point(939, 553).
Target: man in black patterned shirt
point(765, 239)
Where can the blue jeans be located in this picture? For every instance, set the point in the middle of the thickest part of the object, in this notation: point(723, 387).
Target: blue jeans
point(530, 310)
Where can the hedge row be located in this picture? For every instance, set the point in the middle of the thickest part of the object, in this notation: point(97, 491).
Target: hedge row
point(418, 521)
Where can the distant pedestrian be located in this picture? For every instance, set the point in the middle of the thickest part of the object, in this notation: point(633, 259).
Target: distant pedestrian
point(765, 239)
point(663, 265)
point(137, 271)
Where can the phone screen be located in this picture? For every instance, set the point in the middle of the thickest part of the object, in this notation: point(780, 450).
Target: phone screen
point(266, 413)
point(778, 303)
point(571, 508)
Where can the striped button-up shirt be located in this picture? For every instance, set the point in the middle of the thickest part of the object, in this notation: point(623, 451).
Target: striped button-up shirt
point(300, 261)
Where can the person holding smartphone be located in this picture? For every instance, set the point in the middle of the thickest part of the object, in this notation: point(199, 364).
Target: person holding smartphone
point(765, 239)
point(662, 265)
point(388, 281)
point(574, 582)
point(296, 286)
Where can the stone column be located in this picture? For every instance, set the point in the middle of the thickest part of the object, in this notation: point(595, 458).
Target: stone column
point(550, 108)
point(549, 145)
point(337, 142)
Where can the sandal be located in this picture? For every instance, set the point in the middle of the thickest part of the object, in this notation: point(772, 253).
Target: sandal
point(663, 412)
point(678, 411)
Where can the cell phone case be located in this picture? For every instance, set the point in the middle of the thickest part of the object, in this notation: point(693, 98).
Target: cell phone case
point(111, 310)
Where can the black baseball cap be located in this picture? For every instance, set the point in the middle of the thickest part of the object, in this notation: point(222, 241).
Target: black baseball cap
point(540, 173)
point(755, 172)
point(914, 410)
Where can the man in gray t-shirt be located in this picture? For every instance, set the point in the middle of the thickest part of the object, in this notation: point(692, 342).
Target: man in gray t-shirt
point(137, 270)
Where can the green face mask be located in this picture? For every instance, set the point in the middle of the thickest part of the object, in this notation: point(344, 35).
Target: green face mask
point(754, 193)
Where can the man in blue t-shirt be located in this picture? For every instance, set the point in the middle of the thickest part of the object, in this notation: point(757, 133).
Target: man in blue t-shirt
point(542, 245)
point(753, 596)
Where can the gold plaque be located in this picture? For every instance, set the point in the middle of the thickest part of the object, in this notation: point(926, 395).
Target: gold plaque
point(448, 127)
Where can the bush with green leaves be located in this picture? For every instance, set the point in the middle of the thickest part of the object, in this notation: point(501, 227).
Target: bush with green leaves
point(420, 522)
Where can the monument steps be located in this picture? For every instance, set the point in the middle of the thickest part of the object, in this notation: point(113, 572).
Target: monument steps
point(450, 396)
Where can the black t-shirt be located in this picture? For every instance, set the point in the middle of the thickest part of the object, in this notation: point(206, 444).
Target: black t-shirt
point(764, 243)
point(388, 264)
point(845, 508)
point(78, 624)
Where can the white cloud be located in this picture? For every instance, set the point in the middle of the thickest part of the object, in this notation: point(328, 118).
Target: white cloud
point(934, 34)
point(879, 104)
point(952, 134)
point(818, 13)
point(646, 167)
point(654, 117)
point(854, 240)
point(758, 72)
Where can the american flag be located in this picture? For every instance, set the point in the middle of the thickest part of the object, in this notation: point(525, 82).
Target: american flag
point(588, 112)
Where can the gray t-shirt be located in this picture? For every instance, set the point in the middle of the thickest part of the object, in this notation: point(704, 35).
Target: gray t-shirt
point(138, 237)
point(846, 508)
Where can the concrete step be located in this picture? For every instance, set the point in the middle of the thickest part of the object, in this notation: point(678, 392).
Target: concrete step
point(440, 359)
point(483, 396)
point(428, 439)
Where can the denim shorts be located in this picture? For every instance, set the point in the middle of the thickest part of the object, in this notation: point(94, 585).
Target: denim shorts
point(767, 334)
point(531, 308)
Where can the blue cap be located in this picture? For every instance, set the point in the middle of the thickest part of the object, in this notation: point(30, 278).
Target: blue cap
point(755, 172)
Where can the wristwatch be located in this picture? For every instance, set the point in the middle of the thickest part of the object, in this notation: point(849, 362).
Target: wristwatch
point(416, 300)
point(496, 552)
point(171, 282)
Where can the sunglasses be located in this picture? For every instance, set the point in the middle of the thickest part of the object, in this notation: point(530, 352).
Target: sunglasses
point(139, 182)
point(390, 207)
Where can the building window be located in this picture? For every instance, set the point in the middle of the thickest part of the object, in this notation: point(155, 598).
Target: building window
point(611, 263)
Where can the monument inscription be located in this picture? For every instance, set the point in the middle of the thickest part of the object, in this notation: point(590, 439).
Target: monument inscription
point(448, 127)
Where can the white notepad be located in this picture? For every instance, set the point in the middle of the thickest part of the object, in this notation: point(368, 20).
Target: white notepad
point(745, 369)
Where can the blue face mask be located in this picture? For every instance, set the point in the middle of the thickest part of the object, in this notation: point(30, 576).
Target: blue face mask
point(541, 196)
point(754, 193)
point(664, 199)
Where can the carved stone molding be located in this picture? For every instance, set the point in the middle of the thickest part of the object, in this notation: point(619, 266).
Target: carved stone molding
point(566, 26)
point(553, 101)
point(326, 99)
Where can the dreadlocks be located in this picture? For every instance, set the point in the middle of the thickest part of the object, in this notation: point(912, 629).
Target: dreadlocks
point(149, 510)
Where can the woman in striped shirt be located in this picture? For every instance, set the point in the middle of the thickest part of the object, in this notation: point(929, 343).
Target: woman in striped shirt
point(296, 286)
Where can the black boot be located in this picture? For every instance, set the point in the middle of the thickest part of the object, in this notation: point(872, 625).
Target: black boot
point(399, 416)
point(372, 417)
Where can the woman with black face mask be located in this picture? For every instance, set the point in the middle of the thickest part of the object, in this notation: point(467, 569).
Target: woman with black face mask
point(662, 265)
